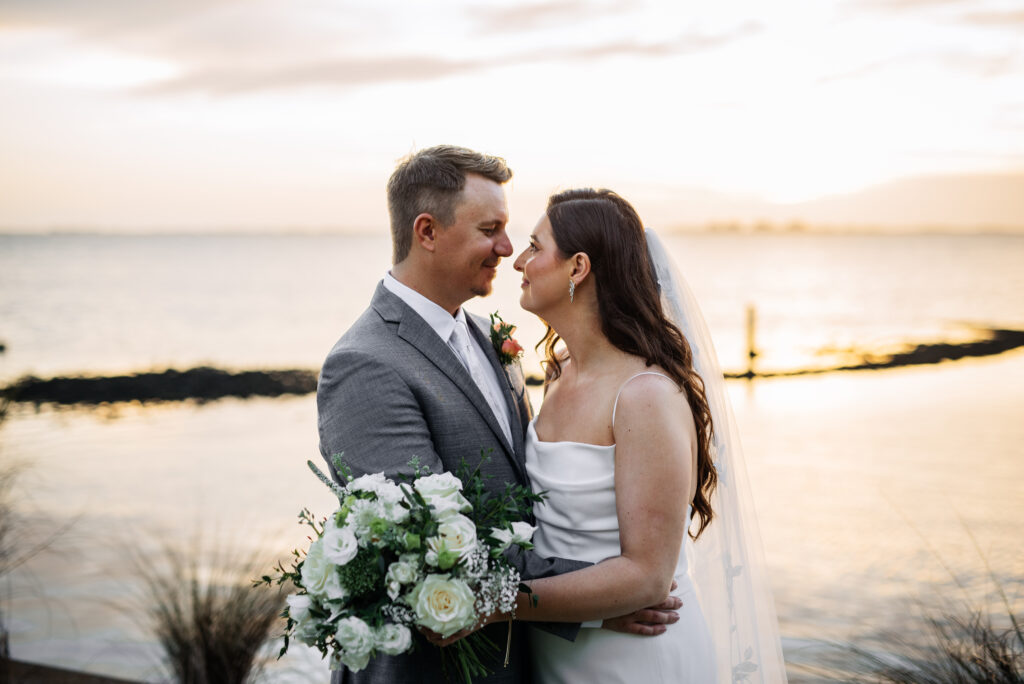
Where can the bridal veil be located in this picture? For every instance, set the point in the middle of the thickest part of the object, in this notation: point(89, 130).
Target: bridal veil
point(727, 561)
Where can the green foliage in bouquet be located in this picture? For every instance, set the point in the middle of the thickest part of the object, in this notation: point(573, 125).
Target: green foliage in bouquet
point(362, 574)
point(490, 510)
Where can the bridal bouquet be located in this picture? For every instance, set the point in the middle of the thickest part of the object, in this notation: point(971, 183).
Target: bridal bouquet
point(395, 556)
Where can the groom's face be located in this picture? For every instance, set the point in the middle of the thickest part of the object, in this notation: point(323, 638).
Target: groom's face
point(471, 248)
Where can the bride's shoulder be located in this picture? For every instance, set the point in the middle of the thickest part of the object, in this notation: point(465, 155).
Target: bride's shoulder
point(649, 389)
point(649, 407)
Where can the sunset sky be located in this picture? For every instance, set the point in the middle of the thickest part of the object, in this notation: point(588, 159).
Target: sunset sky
point(227, 114)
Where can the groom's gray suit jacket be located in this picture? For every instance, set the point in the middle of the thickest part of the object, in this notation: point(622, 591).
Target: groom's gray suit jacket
point(391, 389)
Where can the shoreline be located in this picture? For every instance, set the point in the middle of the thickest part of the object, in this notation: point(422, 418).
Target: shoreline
point(205, 383)
point(36, 673)
point(999, 342)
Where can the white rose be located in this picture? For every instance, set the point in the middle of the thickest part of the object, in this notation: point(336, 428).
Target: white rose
point(403, 571)
point(521, 533)
point(393, 639)
point(320, 576)
point(443, 605)
point(443, 491)
point(316, 569)
point(458, 533)
point(305, 625)
point(305, 633)
point(390, 493)
point(356, 640)
point(298, 606)
point(340, 544)
point(387, 492)
point(395, 512)
point(366, 483)
point(334, 590)
point(353, 662)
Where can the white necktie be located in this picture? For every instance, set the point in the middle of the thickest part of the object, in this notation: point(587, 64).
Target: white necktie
point(463, 344)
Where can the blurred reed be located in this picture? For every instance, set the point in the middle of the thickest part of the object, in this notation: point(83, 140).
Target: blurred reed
point(211, 624)
point(961, 642)
point(8, 473)
point(963, 648)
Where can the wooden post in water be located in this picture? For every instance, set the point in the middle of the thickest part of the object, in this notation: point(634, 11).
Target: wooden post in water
point(751, 347)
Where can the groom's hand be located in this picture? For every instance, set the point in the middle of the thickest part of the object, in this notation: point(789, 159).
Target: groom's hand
point(650, 621)
point(438, 640)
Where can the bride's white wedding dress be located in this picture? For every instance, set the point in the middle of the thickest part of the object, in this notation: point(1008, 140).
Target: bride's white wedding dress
point(727, 632)
point(579, 521)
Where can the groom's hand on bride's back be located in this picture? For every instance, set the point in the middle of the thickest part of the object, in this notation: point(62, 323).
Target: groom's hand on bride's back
point(650, 621)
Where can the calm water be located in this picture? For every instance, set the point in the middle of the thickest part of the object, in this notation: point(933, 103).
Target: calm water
point(112, 303)
point(865, 483)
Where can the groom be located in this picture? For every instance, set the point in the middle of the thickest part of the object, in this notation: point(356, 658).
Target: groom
point(416, 375)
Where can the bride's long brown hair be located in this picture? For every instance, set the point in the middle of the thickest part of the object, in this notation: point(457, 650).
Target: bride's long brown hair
point(605, 226)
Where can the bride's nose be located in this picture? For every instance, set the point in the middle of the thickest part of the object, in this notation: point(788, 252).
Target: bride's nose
point(518, 263)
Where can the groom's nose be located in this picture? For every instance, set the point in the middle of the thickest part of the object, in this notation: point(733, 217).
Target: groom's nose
point(503, 247)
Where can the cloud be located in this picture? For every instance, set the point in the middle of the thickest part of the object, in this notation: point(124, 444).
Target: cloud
point(359, 70)
point(996, 19)
point(101, 17)
point(685, 44)
point(984, 65)
point(196, 31)
point(527, 17)
point(862, 71)
point(338, 73)
point(235, 46)
point(979, 64)
point(979, 15)
point(909, 4)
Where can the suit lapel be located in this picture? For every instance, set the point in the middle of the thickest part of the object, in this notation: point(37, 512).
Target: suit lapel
point(483, 338)
point(414, 330)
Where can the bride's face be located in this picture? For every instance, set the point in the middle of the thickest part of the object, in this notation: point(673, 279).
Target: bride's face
point(545, 271)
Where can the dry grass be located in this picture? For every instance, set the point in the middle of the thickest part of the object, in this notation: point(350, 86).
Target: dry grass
point(22, 534)
point(212, 625)
point(8, 549)
point(961, 643)
point(955, 649)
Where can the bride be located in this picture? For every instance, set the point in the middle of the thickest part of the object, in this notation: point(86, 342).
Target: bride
point(635, 448)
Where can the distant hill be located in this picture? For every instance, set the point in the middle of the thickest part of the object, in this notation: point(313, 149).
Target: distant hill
point(993, 201)
point(943, 202)
point(952, 202)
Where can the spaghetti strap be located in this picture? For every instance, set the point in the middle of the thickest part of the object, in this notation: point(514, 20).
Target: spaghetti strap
point(616, 404)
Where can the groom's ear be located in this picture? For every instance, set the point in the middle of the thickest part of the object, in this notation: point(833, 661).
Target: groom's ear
point(580, 266)
point(424, 231)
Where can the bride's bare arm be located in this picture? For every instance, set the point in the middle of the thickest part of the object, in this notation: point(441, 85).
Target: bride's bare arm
point(654, 435)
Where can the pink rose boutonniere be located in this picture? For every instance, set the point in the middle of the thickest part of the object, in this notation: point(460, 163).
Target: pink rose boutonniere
point(501, 337)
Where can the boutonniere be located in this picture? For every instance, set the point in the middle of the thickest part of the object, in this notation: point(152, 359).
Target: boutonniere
point(504, 344)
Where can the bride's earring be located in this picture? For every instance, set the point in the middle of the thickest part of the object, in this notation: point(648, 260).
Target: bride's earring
point(572, 289)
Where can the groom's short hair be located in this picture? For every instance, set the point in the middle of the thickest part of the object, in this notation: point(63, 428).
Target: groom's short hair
point(429, 182)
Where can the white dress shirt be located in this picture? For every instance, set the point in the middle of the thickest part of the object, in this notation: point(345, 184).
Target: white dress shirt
point(443, 323)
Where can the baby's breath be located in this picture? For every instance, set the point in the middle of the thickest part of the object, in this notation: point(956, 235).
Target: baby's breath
point(398, 613)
